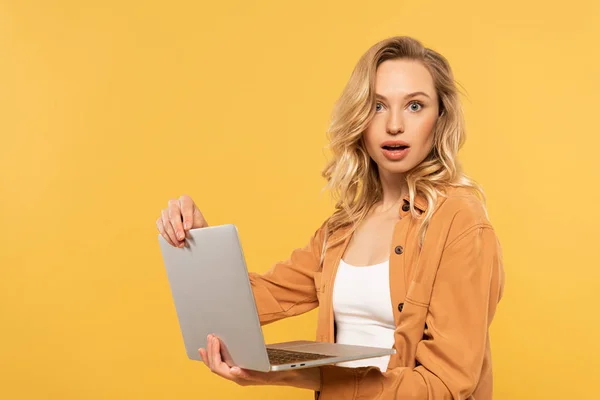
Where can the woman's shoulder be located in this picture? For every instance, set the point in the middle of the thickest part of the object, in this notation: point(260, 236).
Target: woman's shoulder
point(462, 198)
point(463, 208)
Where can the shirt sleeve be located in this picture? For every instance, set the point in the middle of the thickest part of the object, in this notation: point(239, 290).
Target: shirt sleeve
point(467, 288)
point(288, 287)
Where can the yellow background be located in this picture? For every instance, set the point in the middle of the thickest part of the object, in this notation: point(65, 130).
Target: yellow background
point(108, 109)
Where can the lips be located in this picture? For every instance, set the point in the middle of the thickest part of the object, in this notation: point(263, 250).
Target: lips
point(394, 145)
point(395, 150)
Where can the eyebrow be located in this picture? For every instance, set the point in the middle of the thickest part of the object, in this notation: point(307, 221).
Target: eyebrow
point(408, 96)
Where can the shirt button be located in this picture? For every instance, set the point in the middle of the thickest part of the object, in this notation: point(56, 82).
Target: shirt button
point(399, 250)
point(400, 307)
point(405, 207)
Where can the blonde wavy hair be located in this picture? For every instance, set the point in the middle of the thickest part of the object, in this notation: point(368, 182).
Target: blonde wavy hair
point(352, 176)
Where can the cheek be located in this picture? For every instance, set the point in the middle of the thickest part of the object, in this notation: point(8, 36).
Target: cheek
point(425, 132)
point(370, 140)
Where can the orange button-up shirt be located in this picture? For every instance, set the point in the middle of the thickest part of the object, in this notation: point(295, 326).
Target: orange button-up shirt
point(444, 296)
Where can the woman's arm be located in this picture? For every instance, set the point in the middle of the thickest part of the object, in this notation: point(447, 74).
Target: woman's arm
point(288, 288)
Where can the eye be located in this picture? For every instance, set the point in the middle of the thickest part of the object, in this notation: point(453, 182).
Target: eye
point(377, 106)
point(415, 106)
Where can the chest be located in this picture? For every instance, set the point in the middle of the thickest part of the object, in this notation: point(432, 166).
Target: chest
point(376, 241)
point(395, 241)
point(361, 296)
point(371, 241)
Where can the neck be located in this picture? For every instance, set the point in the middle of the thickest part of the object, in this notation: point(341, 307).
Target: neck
point(394, 188)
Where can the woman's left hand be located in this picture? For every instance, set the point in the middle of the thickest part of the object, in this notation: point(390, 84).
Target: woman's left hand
point(243, 377)
point(309, 378)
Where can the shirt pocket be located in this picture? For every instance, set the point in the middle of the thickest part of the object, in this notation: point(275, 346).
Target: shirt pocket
point(419, 294)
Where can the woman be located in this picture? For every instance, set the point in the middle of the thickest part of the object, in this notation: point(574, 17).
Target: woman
point(408, 226)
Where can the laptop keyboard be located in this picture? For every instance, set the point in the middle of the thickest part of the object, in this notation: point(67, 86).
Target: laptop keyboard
point(280, 357)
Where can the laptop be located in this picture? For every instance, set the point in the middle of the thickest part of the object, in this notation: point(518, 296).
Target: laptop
point(211, 292)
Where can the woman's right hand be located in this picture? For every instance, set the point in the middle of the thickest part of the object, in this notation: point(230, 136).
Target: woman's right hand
point(178, 218)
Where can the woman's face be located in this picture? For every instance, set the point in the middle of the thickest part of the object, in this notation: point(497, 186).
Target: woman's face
point(400, 135)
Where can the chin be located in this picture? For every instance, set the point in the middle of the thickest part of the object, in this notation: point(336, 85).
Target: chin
point(396, 167)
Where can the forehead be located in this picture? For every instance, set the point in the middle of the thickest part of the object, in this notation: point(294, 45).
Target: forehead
point(398, 77)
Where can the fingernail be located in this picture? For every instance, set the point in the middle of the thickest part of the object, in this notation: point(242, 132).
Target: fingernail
point(235, 371)
point(180, 235)
point(185, 225)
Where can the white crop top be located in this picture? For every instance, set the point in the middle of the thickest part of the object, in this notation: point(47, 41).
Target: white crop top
point(362, 309)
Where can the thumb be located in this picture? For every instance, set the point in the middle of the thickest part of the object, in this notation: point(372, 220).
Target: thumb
point(242, 374)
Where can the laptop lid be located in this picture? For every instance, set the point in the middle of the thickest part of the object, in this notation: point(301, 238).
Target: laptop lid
point(212, 294)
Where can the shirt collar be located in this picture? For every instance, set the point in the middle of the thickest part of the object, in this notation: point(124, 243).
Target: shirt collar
point(420, 202)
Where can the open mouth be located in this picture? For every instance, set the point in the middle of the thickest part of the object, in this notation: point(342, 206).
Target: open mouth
point(395, 150)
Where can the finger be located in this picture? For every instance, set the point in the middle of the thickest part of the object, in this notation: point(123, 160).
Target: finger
point(198, 219)
point(219, 367)
point(203, 356)
point(186, 204)
point(161, 229)
point(216, 354)
point(169, 228)
point(209, 352)
point(239, 373)
point(175, 218)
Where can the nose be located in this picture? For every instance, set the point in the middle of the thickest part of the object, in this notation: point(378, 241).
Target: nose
point(395, 123)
